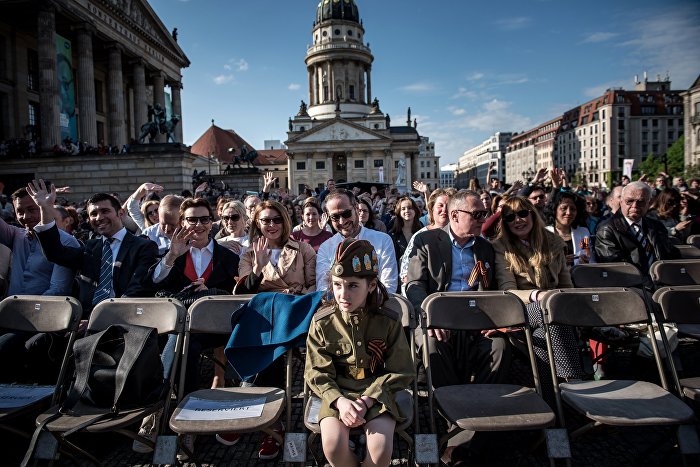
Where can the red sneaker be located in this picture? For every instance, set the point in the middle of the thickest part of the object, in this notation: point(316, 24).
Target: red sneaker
point(228, 439)
point(270, 448)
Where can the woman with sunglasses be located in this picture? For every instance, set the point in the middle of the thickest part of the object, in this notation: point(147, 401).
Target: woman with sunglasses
point(275, 262)
point(311, 231)
point(406, 223)
point(232, 234)
point(529, 261)
point(566, 216)
point(149, 210)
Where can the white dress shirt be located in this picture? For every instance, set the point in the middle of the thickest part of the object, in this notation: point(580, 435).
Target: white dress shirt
point(201, 257)
point(383, 245)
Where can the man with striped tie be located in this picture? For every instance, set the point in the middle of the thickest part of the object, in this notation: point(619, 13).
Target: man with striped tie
point(632, 237)
point(114, 263)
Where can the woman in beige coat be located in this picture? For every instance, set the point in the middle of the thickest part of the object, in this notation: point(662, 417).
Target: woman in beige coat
point(274, 262)
point(529, 261)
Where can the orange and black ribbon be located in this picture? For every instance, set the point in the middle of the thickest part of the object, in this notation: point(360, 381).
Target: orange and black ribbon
point(479, 271)
point(585, 243)
point(377, 348)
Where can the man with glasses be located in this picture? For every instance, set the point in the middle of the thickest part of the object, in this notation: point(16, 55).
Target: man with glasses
point(452, 259)
point(630, 236)
point(114, 263)
point(341, 207)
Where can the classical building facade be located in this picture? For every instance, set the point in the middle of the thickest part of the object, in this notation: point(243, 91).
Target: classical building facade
point(342, 133)
point(85, 70)
point(475, 162)
point(447, 175)
point(428, 164)
point(691, 102)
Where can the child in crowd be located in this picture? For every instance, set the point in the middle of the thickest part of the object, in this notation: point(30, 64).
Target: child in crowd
point(357, 358)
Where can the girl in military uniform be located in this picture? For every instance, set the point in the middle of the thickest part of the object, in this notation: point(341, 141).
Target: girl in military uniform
point(357, 358)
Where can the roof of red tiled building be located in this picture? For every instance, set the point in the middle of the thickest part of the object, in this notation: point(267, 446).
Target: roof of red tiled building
point(271, 157)
point(217, 141)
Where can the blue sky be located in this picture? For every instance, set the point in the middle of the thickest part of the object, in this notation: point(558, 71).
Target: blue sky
point(466, 68)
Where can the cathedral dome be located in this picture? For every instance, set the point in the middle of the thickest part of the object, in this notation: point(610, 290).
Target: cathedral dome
point(337, 9)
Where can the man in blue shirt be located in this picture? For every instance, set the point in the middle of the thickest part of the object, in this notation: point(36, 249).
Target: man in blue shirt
point(457, 258)
point(31, 274)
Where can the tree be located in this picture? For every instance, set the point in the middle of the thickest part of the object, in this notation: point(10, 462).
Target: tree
point(675, 158)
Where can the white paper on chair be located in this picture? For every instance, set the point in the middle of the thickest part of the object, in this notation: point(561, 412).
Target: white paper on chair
point(207, 409)
point(12, 396)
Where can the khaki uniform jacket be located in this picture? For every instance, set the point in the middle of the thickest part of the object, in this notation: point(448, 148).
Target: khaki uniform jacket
point(339, 359)
point(522, 284)
point(295, 272)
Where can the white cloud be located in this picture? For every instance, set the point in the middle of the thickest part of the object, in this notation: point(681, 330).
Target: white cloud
point(456, 111)
point(223, 79)
point(512, 24)
point(475, 76)
point(667, 42)
point(227, 67)
point(464, 93)
point(294, 86)
point(242, 65)
point(418, 87)
point(599, 90)
point(596, 37)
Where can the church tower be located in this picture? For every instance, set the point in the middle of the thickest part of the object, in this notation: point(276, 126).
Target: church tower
point(339, 64)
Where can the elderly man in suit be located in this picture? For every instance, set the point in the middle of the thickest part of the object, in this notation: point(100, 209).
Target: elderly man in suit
point(632, 237)
point(457, 258)
point(115, 263)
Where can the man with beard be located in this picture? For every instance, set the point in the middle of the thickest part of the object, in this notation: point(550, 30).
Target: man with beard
point(341, 207)
point(112, 264)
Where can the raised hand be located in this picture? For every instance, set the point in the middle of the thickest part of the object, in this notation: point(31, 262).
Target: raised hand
point(420, 186)
point(554, 175)
point(261, 255)
point(541, 174)
point(268, 181)
point(323, 220)
point(180, 243)
point(202, 187)
point(41, 194)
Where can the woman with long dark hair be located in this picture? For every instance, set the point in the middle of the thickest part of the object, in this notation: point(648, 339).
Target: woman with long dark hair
point(366, 215)
point(566, 217)
point(406, 223)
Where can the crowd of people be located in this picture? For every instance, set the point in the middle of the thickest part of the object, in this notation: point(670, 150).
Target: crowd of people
point(357, 247)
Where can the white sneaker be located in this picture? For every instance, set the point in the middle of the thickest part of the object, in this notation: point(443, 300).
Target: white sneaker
point(148, 430)
point(188, 442)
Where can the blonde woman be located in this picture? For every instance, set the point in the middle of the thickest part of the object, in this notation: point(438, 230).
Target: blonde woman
point(232, 234)
point(529, 261)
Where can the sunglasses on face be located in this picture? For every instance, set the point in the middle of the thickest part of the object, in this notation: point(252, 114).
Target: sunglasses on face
point(533, 198)
point(150, 213)
point(345, 215)
point(522, 214)
point(271, 220)
point(477, 215)
point(204, 220)
point(231, 218)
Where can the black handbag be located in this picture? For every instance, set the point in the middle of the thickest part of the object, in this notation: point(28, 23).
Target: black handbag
point(118, 368)
point(187, 297)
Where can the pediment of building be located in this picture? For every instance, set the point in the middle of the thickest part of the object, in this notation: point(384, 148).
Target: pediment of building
point(338, 130)
point(139, 16)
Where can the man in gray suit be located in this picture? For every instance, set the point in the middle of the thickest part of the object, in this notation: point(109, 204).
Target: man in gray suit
point(457, 258)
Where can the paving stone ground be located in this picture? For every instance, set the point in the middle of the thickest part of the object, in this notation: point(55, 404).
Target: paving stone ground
point(601, 447)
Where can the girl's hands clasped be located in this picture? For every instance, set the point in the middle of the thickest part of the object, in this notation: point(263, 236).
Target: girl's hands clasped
point(352, 413)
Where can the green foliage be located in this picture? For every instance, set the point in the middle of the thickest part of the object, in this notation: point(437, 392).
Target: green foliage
point(674, 161)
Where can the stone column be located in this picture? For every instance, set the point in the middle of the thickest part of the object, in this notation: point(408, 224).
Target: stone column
point(175, 88)
point(140, 102)
point(49, 103)
point(311, 85)
point(158, 79)
point(369, 85)
point(86, 85)
point(331, 81)
point(115, 97)
point(368, 166)
point(291, 170)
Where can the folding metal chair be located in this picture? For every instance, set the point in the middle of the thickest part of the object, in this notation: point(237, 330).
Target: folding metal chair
point(406, 399)
point(610, 402)
point(681, 305)
point(36, 314)
point(693, 240)
point(688, 251)
point(212, 315)
point(675, 272)
point(486, 407)
point(165, 315)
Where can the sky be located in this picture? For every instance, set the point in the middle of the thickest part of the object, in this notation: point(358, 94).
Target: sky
point(466, 68)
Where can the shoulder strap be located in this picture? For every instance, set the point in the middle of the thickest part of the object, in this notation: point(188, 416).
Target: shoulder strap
point(135, 339)
point(83, 353)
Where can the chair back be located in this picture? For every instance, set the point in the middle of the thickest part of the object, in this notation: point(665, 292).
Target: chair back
point(403, 307)
point(606, 275)
point(40, 313)
point(165, 314)
point(472, 311)
point(212, 314)
point(693, 240)
point(680, 305)
point(688, 251)
point(675, 272)
point(611, 306)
